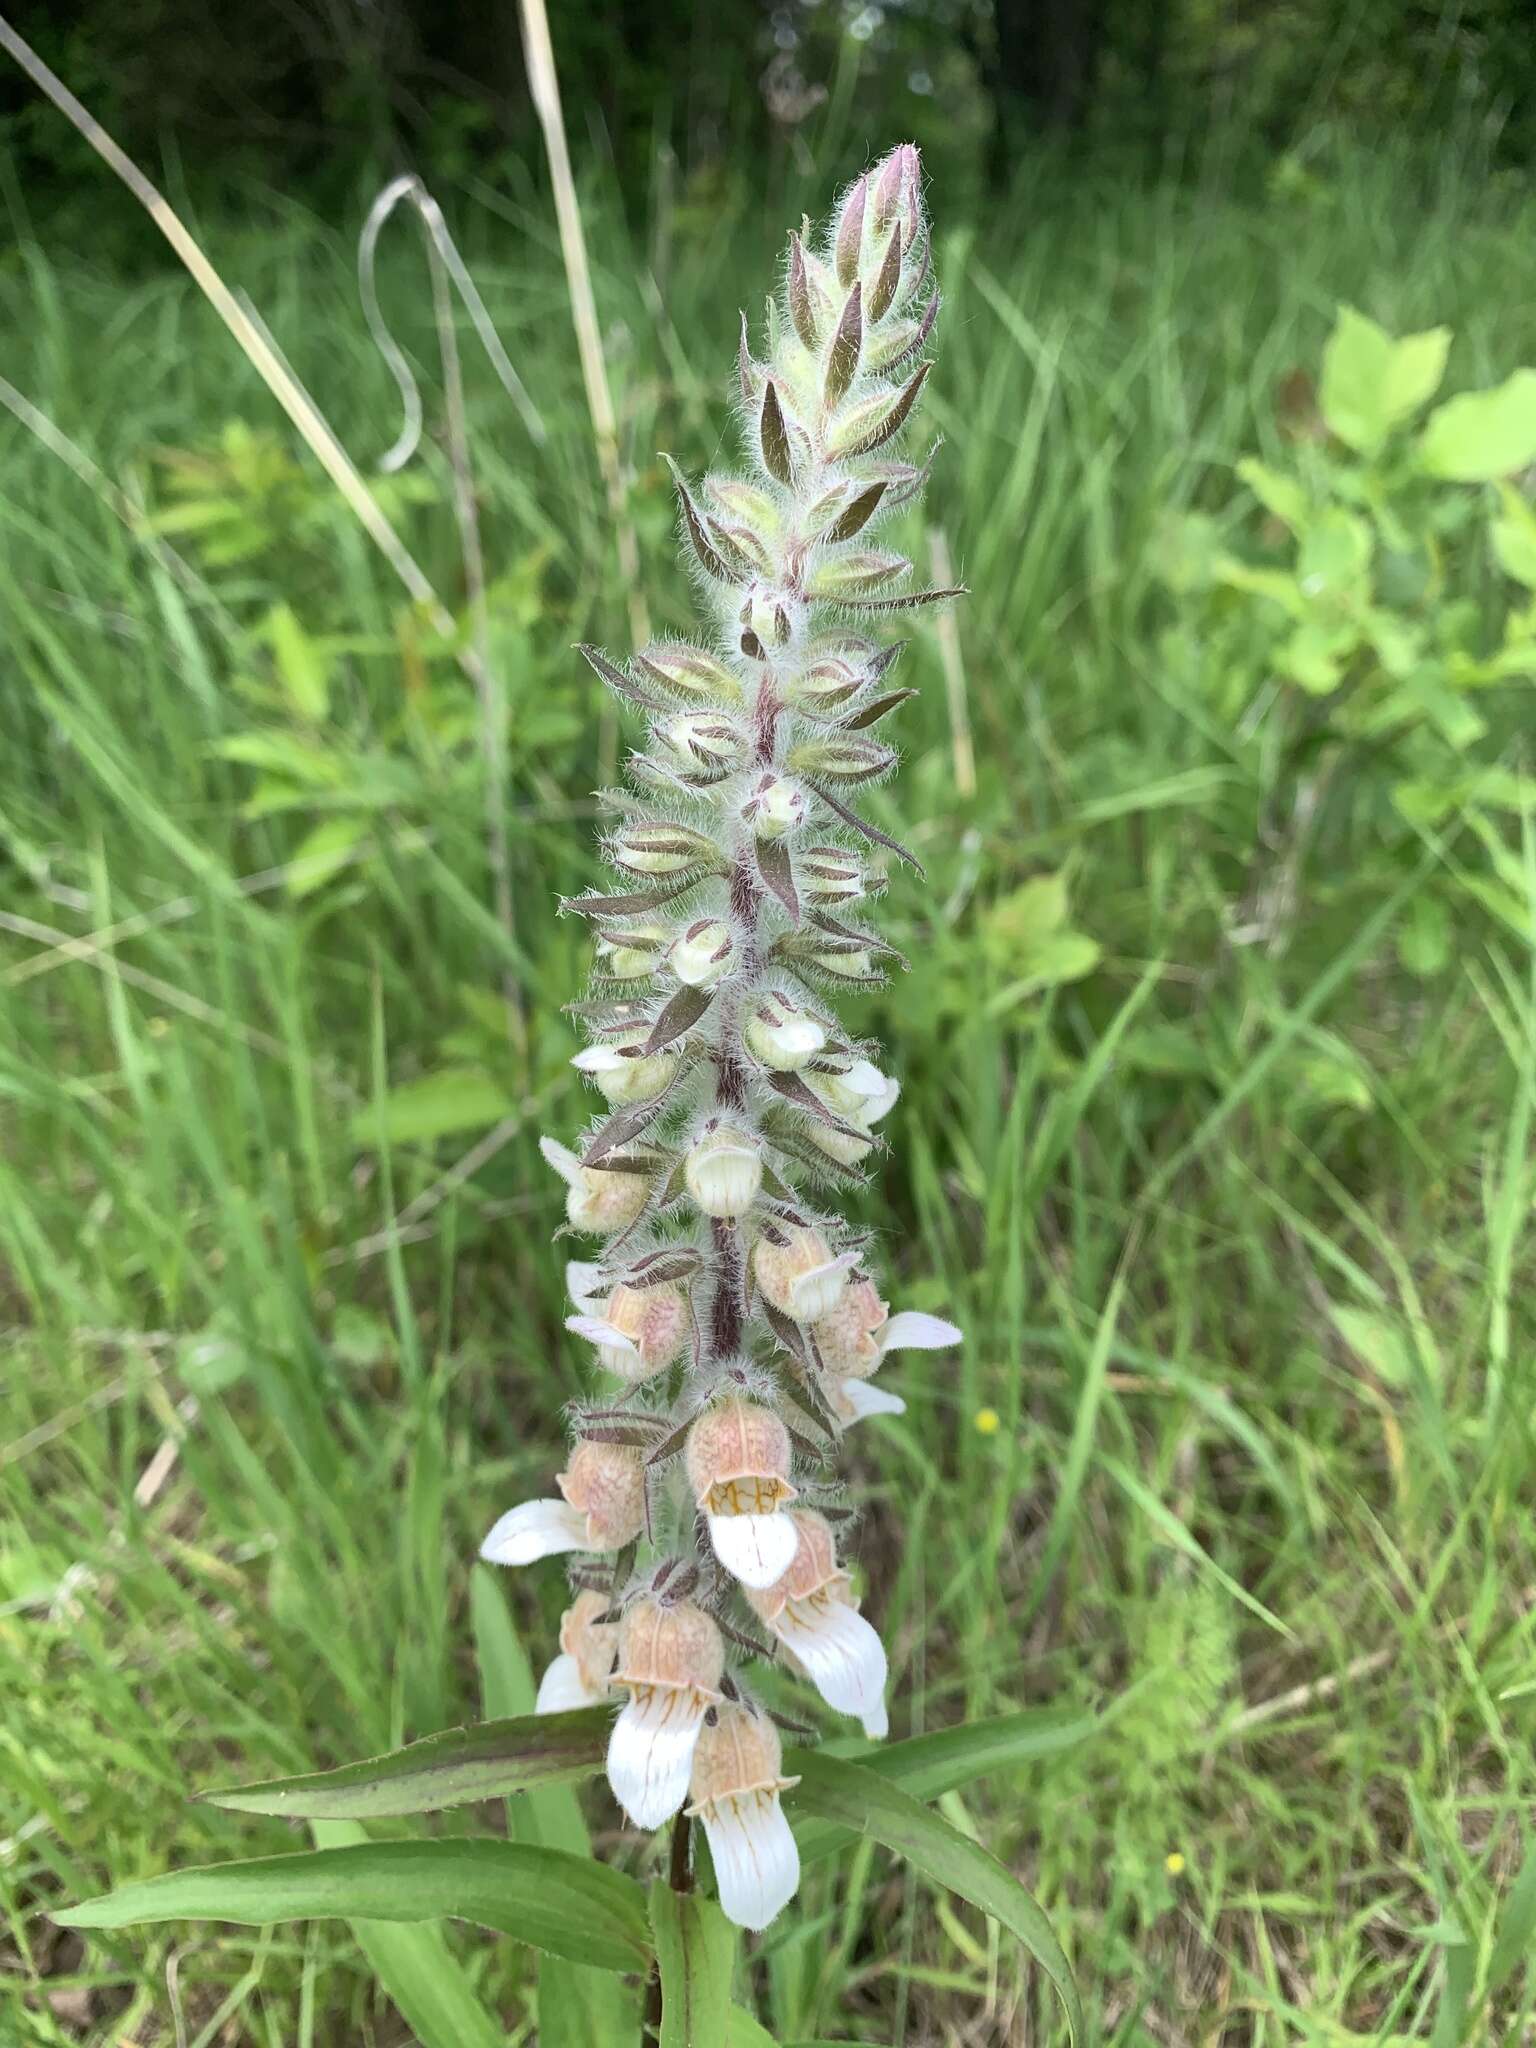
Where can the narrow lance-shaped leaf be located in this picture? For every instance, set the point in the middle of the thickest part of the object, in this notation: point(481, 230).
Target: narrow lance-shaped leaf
point(858, 514)
point(616, 679)
point(860, 1800)
point(777, 871)
point(456, 1768)
point(566, 1905)
point(710, 558)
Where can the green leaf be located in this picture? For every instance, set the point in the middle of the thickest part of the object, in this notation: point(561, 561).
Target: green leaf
point(566, 1905)
point(1372, 383)
point(1516, 1938)
point(1335, 554)
point(1414, 371)
point(860, 1799)
point(584, 2008)
point(324, 852)
point(1376, 1340)
point(549, 1812)
point(1424, 937)
point(452, 1099)
point(928, 1765)
point(418, 1971)
point(1483, 435)
point(1514, 537)
point(455, 1768)
point(303, 667)
point(1281, 495)
point(695, 1952)
point(743, 2031)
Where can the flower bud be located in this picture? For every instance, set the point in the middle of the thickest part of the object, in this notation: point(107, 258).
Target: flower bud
point(592, 1642)
point(774, 616)
point(782, 1036)
point(724, 1171)
point(825, 685)
point(689, 672)
point(653, 1320)
point(848, 1334)
point(842, 757)
point(800, 1277)
point(606, 1483)
point(704, 744)
point(846, 578)
point(622, 1072)
point(829, 874)
point(860, 1092)
point(600, 1199)
point(701, 955)
point(633, 952)
point(775, 806)
point(659, 847)
point(845, 1148)
point(845, 963)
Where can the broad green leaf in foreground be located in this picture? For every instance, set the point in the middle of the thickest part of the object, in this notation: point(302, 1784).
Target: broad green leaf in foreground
point(419, 1972)
point(455, 1768)
point(859, 1799)
point(695, 1950)
point(566, 1905)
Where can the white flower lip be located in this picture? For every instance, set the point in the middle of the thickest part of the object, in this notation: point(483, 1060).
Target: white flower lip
point(843, 1656)
point(915, 1330)
point(650, 1752)
point(563, 1688)
point(535, 1529)
point(596, 1331)
point(755, 1549)
point(757, 1865)
point(857, 1399)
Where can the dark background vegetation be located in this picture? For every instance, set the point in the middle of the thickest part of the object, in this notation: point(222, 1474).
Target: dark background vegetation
point(303, 92)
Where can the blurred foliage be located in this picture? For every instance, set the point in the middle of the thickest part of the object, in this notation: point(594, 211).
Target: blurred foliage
point(314, 96)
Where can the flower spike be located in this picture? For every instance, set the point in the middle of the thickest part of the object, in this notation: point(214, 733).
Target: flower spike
point(741, 1322)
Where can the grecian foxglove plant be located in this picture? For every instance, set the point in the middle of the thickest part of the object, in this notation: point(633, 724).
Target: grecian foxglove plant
point(737, 1323)
point(741, 1318)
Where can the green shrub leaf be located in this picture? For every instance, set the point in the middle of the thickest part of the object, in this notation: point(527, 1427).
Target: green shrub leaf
point(857, 1798)
point(456, 1768)
point(695, 1952)
point(566, 1905)
point(1483, 435)
point(1372, 383)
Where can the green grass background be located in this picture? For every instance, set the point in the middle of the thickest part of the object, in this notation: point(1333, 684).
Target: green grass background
point(1265, 1511)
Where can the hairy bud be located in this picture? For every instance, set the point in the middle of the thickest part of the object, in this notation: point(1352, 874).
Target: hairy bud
point(724, 1171)
point(661, 848)
point(774, 806)
point(701, 955)
point(622, 1073)
point(782, 1036)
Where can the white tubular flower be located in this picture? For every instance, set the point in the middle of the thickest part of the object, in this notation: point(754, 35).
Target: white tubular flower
point(638, 1331)
point(622, 1072)
point(861, 1092)
point(801, 1276)
point(853, 1400)
point(603, 1509)
point(724, 1171)
point(812, 1614)
point(738, 1459)
point(847, 1148)
point(598, 1199)
point(782, 1036)
point(580, 1675)
point(737, 1779)
point(701, 955)
point(671, 1661)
